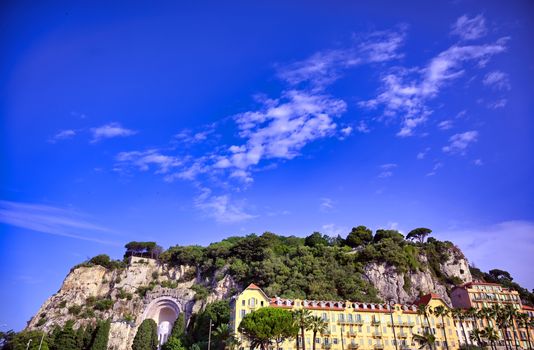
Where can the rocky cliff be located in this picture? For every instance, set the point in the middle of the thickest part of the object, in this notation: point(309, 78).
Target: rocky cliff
point(124, 296)
point(404, 287)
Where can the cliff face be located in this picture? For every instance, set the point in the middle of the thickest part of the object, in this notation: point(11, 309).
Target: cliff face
point(406, 287)
point(125, 295)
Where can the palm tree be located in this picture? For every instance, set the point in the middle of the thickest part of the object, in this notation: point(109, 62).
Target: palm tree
point(490, 334)
point(426, 339)
point(502, 319)
point(512, 315)
point(472, 313)
point(302, 320)
point(524, 321)
point(225, 336)
point(474, 335)
point(458, 314)
point(442, 311)
point(317, 325)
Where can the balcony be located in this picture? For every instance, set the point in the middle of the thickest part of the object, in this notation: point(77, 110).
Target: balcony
point(379, 346)
point(375, 321)
point(408, 323)
point(326, 332)
point(354, 346)
point(402, 335)
point(352, 333)
point(358, 321)
point(377, 334)
point(327, 345)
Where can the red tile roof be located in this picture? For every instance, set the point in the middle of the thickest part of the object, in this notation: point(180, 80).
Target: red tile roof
point(425, 299)
point(253, 286)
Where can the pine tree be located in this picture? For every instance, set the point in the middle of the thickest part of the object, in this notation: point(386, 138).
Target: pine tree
point(101, 336)
point(88, 337)
point(80, 333)
point(67, 338)
point(146, 337)
point(179, 327)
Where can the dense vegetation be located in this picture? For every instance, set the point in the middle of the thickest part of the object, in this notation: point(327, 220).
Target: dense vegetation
point(315, 267)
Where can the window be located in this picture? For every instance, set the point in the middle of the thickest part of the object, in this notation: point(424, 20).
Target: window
point(261, 303)
point(243, 302)
point(317, 340)
point(335, 340)
point(243, 313)
point(252, 302)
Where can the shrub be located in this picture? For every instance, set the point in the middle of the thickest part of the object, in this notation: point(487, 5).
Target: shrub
point(103, 304)
point(75, 309)
point(201, 292)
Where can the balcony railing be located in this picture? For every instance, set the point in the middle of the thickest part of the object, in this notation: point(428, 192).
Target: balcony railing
point(379, 346)
point(377, 334)
point(354, 346)
point(326, 332)
point(375, 321)
point(402, 335)
point(327, 345)
point(351, 333)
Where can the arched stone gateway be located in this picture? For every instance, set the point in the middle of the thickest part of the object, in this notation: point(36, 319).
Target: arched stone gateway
point(164, 311)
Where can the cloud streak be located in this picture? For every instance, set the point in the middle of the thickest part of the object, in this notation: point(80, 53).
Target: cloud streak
point(52, 220)
point(109, 131)
point(458, 143)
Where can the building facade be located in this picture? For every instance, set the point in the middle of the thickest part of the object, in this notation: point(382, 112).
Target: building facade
point(482, 295)
point(354, 325)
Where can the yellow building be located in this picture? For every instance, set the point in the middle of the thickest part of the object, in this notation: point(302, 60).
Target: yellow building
point(481, 295)
point(353, 325)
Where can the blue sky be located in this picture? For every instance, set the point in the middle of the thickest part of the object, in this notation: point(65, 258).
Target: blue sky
point(191, 121)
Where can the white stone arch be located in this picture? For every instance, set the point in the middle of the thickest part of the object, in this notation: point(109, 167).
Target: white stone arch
point(164, 311)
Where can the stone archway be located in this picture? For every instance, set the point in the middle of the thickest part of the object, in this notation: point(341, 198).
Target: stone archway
point(164, 311)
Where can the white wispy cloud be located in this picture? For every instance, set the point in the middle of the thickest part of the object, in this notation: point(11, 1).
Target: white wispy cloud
point(325, 67)
point(327, 204)
point(110, 130)
point(62, 135)
point(500, 103)
point(423, 153)
point(143, 160)
point(496, 246)
point(387, 170)
point(280, 129)
point(405, 93)
point(458, 143)
point(435, 168)
point(469, 28)
point(221, 207)
point(445, 124)
point(362, 127)
point(497, 80)
point(52, 220)
point(478, 162)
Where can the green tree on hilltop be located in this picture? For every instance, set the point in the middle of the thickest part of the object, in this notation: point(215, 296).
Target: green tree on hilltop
point(359, 236)
point(419, 234)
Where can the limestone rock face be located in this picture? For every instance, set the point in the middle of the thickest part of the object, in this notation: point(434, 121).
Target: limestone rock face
point(405, 288)
point(136, 292)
